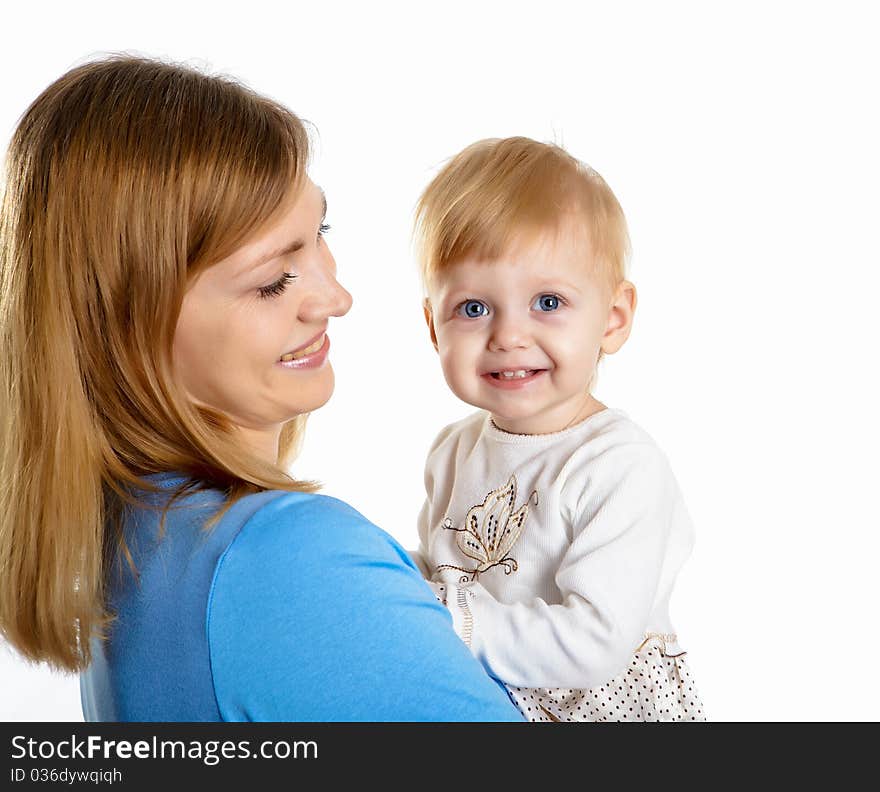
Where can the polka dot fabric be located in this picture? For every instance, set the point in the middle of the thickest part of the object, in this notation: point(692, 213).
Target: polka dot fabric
point(655, 687)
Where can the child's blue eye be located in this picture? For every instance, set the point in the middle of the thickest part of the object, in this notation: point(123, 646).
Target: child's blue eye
point(472, 309)
point(546, 302)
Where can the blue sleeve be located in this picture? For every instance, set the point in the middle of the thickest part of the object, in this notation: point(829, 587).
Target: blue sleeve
point(316, 614)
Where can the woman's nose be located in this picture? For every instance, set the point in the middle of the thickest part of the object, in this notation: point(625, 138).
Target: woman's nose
point(326, 297)
point(343, 300)
point(508, 332)
point(331, 299)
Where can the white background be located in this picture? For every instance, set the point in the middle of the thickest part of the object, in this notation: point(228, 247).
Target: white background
point(742, 142)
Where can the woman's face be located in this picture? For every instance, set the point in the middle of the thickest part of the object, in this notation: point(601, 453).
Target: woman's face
point(272, 296)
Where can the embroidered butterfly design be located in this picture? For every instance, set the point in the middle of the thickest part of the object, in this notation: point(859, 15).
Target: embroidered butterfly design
point(490, 531)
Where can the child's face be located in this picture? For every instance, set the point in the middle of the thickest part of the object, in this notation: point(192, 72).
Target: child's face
point(520, 336)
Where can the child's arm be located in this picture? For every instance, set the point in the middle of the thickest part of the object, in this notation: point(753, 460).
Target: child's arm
point(608, 579)
point(419, 556)
point(419, 560)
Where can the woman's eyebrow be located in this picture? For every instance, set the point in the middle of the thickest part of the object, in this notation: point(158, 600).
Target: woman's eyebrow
point(282, 251)
point(291, 247)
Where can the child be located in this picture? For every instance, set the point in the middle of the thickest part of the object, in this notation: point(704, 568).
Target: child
point(553, 528)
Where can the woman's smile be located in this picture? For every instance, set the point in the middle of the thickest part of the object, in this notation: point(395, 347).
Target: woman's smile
point(307, 349)
point(312, 356)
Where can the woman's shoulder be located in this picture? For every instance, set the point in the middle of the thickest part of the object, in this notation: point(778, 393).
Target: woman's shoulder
point(297, 546)
point(271, 521)
point(315, 613)
point(281, 527)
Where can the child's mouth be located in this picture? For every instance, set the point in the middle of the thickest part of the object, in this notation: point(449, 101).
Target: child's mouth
point(515, 374)
point(513, 378)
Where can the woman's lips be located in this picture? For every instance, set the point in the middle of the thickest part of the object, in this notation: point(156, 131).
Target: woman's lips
point(513, 383)
point(307, 346)
point(312, 359)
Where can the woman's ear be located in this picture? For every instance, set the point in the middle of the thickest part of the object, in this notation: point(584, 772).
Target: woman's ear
point(620, 318)
point(429, 318)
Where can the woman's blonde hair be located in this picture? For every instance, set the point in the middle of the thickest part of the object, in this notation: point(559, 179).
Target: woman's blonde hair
point(501, 189)
point(124, 180)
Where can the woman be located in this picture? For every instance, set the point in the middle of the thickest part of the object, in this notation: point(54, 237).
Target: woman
point(165, 292)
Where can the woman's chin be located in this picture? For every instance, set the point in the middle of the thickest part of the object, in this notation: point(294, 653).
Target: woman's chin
point(317, 394)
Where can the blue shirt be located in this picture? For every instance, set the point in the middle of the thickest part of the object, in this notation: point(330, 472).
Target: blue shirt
point(293, 608)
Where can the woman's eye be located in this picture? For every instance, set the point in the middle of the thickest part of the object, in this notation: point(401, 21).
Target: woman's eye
point(546, 302)
point(323, 229)
point(472, 309)
point(278, 287)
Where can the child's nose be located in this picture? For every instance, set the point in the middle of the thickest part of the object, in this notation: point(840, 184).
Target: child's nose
point(508, 333)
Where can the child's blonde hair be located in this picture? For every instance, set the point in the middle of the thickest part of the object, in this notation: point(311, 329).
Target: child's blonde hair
point(124, 180)
point(500, 189)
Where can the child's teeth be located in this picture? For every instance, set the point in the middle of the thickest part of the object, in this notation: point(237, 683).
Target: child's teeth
point(519, 374)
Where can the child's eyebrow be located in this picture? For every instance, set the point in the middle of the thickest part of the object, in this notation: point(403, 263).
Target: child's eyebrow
point(543, 285)
point(565, 285)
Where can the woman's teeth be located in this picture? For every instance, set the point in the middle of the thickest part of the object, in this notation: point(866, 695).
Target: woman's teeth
point(517, 374)
point(303, 352)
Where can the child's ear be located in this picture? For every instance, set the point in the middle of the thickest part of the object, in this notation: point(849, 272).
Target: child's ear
point(620, 318)
point(429, 318)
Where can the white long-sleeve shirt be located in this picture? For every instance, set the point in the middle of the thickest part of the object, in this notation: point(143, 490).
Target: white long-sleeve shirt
point(558, 552)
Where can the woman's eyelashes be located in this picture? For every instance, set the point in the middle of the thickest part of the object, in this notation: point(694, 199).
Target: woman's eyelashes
point(278, 287)
point(475, 309)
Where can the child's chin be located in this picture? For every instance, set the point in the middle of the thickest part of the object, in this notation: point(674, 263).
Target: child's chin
point(500, 404)
point(512, 415)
